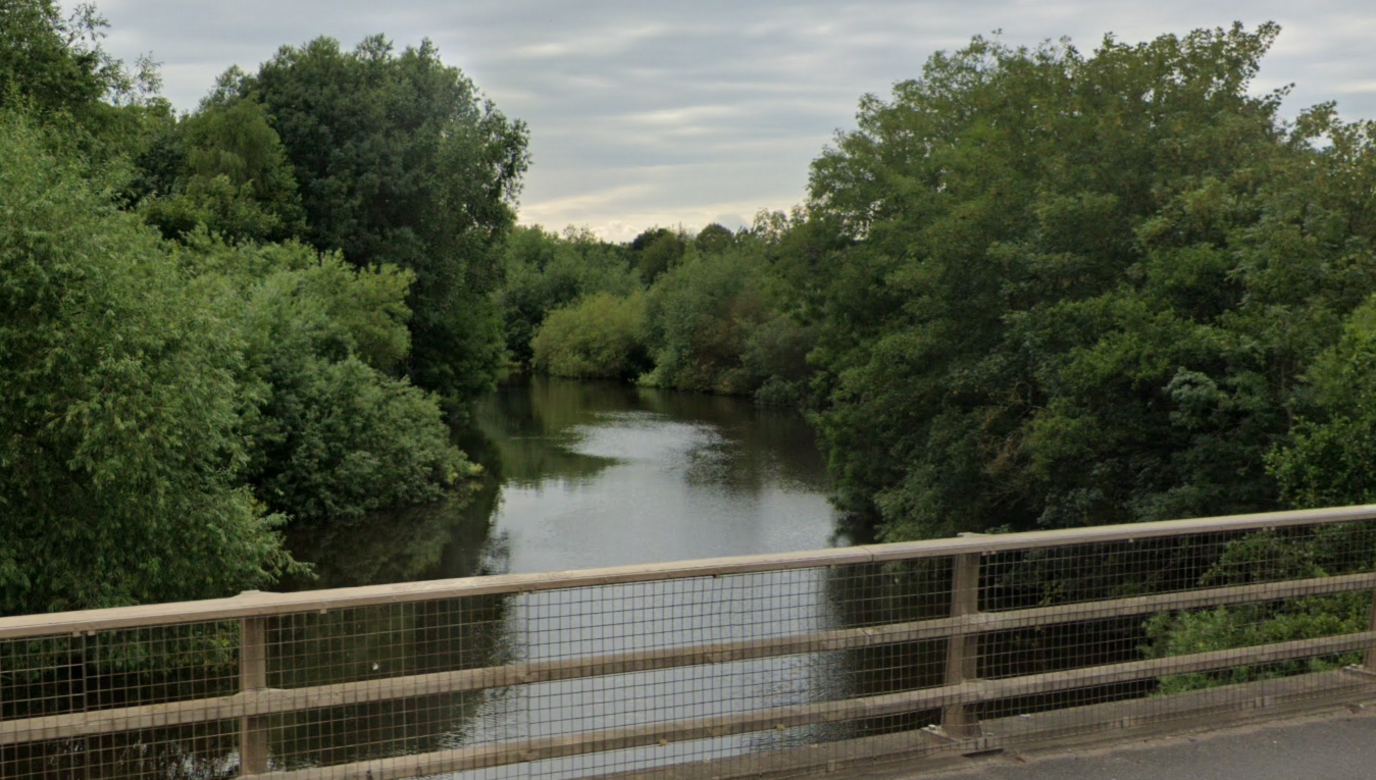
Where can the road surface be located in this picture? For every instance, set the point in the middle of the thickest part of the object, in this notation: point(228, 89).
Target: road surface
point(1333, 746)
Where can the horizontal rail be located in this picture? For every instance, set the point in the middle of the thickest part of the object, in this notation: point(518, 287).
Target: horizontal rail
point(275, 701)
point(1229, 595)
point(256, 604)
point(971, 692)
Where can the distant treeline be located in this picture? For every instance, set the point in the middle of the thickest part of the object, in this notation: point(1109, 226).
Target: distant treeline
point(1033, 288)
point(707, 312)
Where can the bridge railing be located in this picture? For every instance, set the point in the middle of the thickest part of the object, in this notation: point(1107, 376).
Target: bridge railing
point(748, 665)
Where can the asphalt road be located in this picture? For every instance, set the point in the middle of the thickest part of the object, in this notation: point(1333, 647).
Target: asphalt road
point(1330, 747)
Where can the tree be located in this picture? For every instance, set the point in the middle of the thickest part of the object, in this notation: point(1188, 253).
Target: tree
point(223, 168)
point(600, 337)
point(655, 251)
point(399, 160)
point(119, 411)
point(331, 437)
point(1331, 459)
point(54, 69)
point(544, 272)
point(713, 239)
point(52, 63)
point(701, 317)
point(1068, 290)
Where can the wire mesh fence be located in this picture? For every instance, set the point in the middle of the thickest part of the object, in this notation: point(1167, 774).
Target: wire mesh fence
point(704, 668)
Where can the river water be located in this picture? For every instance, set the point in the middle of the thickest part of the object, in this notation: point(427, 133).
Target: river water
point(576, 475)
point(582, 475)
point(606, 474)
point(585, 475)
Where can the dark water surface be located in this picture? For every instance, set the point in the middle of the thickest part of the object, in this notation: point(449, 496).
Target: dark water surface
point(582, 475)
point(607, 474)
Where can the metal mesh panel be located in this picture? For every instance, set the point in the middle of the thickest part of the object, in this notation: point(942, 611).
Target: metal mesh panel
point(707, 669)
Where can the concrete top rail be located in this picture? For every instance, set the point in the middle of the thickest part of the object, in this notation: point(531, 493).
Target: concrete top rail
point(259, 604)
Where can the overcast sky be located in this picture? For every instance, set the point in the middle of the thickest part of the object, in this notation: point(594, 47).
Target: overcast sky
point(652, 113)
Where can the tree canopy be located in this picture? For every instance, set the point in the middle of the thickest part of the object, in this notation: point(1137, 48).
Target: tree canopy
point(1079, 289)
point(399, 160)
point(207, 333)
point(119, 408)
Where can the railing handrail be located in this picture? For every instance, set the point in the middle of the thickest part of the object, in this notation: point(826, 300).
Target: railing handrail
point(260, 604)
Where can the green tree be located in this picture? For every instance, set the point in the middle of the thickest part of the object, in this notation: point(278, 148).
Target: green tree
point(332, 437)
point(39, 63)
point(544, 272)
point(54, 68)
point(701, 317)
point(1331, 458)
point(713, 238)
point(1066, 290)
point(400, 160)
point(1269, 556)
point(223, 168)
point(600, 337)
point(119, 417)
point(655, 251)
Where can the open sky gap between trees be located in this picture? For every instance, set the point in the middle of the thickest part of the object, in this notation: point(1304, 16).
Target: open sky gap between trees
point(1032, 288)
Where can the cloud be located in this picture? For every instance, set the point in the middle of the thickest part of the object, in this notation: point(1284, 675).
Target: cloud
point(665, 113)
point(603, 43)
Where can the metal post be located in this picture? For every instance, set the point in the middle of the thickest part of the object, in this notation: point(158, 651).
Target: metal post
point(962, 650)
point(253, 675)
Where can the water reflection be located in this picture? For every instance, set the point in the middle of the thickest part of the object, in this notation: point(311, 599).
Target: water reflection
point(607, 474)
point(601, 474)
point(598, 474)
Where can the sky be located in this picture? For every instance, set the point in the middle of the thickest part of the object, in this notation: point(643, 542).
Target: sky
point(645, 113)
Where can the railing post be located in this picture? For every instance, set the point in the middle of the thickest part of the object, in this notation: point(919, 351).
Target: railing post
point(962, 650)
point(1369, 658)
point(253, 675)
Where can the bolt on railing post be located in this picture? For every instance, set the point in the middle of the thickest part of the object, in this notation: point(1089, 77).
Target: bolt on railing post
point(253, 675)
point(962, 650)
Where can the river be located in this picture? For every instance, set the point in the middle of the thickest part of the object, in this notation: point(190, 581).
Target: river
point(581, 475)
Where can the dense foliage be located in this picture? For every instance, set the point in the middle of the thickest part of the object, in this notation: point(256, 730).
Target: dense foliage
point(1038, 288)
point(120, 453)
point(400, 161)
point(544, 272)
point(1034, 288)
point(600, 337)
point(208, 330)
point(706, 312)
point(332, 436)
point(223, 169)
point(1083, 290)
point(1044, 288)
point(1322, 551)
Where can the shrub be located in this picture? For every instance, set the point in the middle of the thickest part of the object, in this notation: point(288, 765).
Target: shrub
point(601, 337)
